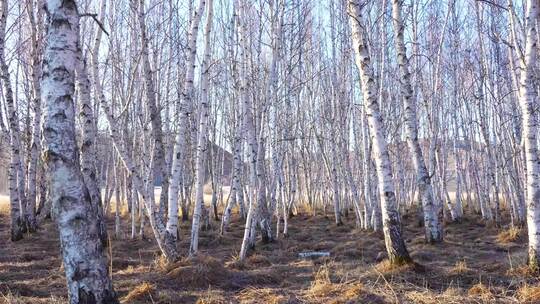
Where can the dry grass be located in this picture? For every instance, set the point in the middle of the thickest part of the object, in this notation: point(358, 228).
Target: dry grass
point(460, 267)
point(236, 263)
point(523, 271)
point(10, 298)
point(422, 297)
point(212, 296)
point(200, 271)
point(529, 294)
point(322, 286)
point(253, 295)
point(386, 267)
point(273, 273)
point(480, 290)
point(258, 260)
point(141, 291)
point(352, 290)
point(509, 235)
point(450, 296)
point(4, 204)
point(324, 289)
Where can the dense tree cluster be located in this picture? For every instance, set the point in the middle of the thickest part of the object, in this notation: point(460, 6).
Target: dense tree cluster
point(201, 109)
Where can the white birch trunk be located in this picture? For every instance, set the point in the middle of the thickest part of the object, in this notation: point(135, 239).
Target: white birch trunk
point(16, 189)
point(433, 229)
point(395, 245)
point(202, 142)
point(88, 137)
point(155, 113)
point(166, 242)
point(530, 128)
point(35, 147)
point(180, 144)
point(84, 257)
point(235, 195)
point(249, 128)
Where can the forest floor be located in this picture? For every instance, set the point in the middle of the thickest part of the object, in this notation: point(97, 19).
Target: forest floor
point(475, 264)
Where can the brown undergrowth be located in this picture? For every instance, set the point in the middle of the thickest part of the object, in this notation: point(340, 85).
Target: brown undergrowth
point(474, 264)
point(510, 235)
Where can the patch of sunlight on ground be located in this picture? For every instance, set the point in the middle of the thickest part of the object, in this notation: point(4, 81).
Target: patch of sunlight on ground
point(4, 203)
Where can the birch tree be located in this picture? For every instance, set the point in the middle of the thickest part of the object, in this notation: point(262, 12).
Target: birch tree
point(395, 245)
point(527, 102)
point(180, 143)
point(433, 228)
point(83, 252)
point(36, 27)
point(202, 143)
point(16, 179)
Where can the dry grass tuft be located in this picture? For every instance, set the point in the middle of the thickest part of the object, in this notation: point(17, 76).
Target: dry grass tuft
point(322, 288)
point(132, 270)
point(452, 292)
point(421, 297)
point(160, 263)
point(236, 263)
point(480, 290)
point(450, 295)
point(528, 294)
point(260, 295)
point(522, 271)
point(509, 235)
point(258, 260)
point(10, 298)
point(200, 271)
point(140, 292)
point(212, 297)
point(460, 267)
point(352, 290)
point(386, 267)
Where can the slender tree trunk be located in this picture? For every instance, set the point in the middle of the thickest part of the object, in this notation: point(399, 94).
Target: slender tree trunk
point(395, 245)
point(15, 188)
point(202, 144)
point(433, 229)
point(180, 148)
point(35, 147)
point(249, 127)
point(166, 242)
point(84, 257)
point(160, 162)
point(236, 187)
point(117, 200)
point(530, 128)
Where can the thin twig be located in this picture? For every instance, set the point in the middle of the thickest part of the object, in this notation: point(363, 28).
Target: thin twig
point(94, 16)
point(494, 4)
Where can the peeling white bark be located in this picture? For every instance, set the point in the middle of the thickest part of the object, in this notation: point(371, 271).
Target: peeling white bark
point(433, 229)
point(83, 253)
point(16, 179)
point(527, 98)
point(395, 245)
point(180, 144)
point(202, 142)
